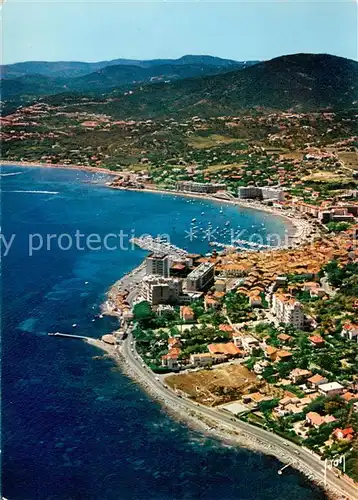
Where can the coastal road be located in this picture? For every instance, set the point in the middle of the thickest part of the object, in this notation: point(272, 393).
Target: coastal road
point(293, 453)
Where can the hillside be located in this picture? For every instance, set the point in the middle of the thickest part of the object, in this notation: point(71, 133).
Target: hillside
point(299, 82)
point(73, 69)
point(121, 76)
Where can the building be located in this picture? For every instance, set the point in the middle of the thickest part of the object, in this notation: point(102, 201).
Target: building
point(350, 331)
point(157, 264)
point(316, 420)
point(201, 359)
point(157, 290)
point(331, 389)
point(299, 375)
point(199, 187)
point(287, 310)
point(316, 380)
point(261, 193)
point(230, 350)
point(343, 434)
point(247, 342)
point(201, 278)
point(210, 303)
point(186, 313)
point(170, 360)
point(316, 340)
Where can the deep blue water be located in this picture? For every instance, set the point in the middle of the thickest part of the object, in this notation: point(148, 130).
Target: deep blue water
point(74, 427)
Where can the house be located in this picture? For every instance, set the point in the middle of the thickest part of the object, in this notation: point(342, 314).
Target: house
point(283, 356)
point(270, 352)
point(316, 420)
point(343, 434)
point(316, 380)
point(283, 337)
point(226, 328)
point(314, 289)
point(187, 313)
point(210, 303)
point(229, 349)
point(349, 396)
point(350, 331)
point(316, 340)
point(331, 389)
point(255, 300)
point(201, 359)
point(170, 360)
point(299, 375)
point(174, 342)
point(248, 343)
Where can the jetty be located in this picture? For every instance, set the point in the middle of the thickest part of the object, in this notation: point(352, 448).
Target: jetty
point(69, 335)
point(159, 245)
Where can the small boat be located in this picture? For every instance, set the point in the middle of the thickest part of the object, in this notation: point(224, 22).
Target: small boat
point(74, 325)
point(227, 223)
point(221, 210)
point(86, 282)
point(202, 213)
point(193, 219)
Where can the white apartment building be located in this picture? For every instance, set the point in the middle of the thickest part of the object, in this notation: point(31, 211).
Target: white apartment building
point(158, 265)
point(158, 290)
point(287, 310)
point(262, 193)
point(200, 278)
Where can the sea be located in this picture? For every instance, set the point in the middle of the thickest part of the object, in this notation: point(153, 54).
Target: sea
point(74, 427)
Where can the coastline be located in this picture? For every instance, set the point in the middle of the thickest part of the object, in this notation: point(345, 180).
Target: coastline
point(57, 165)
point(298, 229)
point(210, 428)
point(298, 226)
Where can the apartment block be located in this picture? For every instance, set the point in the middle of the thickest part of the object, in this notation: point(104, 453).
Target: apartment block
point(200, 278)
point(158, 265)
point(287, 310)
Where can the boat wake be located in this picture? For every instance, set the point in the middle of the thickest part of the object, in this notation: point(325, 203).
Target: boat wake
point(11, 173)
point(32, 192)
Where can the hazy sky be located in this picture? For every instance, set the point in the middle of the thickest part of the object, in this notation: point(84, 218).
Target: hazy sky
point(91, 30)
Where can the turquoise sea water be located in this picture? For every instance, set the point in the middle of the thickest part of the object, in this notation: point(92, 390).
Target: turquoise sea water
point(74, 427)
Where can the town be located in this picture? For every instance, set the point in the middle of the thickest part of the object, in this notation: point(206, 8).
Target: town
point(268, 333)
point(271, 335)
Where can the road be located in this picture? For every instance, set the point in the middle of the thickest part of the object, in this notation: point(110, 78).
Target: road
point(296, 454)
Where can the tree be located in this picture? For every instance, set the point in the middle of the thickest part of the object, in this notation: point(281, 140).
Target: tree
point(143, 313)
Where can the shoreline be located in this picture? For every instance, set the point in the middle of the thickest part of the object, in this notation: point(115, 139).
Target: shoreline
point(210, 428)
point(30, 164)
point(296, 221)
point(295, 232)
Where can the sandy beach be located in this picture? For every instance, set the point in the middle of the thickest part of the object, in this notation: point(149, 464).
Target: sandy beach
point(299, 227)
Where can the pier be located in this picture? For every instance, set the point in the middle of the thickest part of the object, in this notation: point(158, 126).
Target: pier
point(69, 335)
point(159, 245)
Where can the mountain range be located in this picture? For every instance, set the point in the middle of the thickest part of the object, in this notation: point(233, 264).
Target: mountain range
point(73, 69)
point(301, 82)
